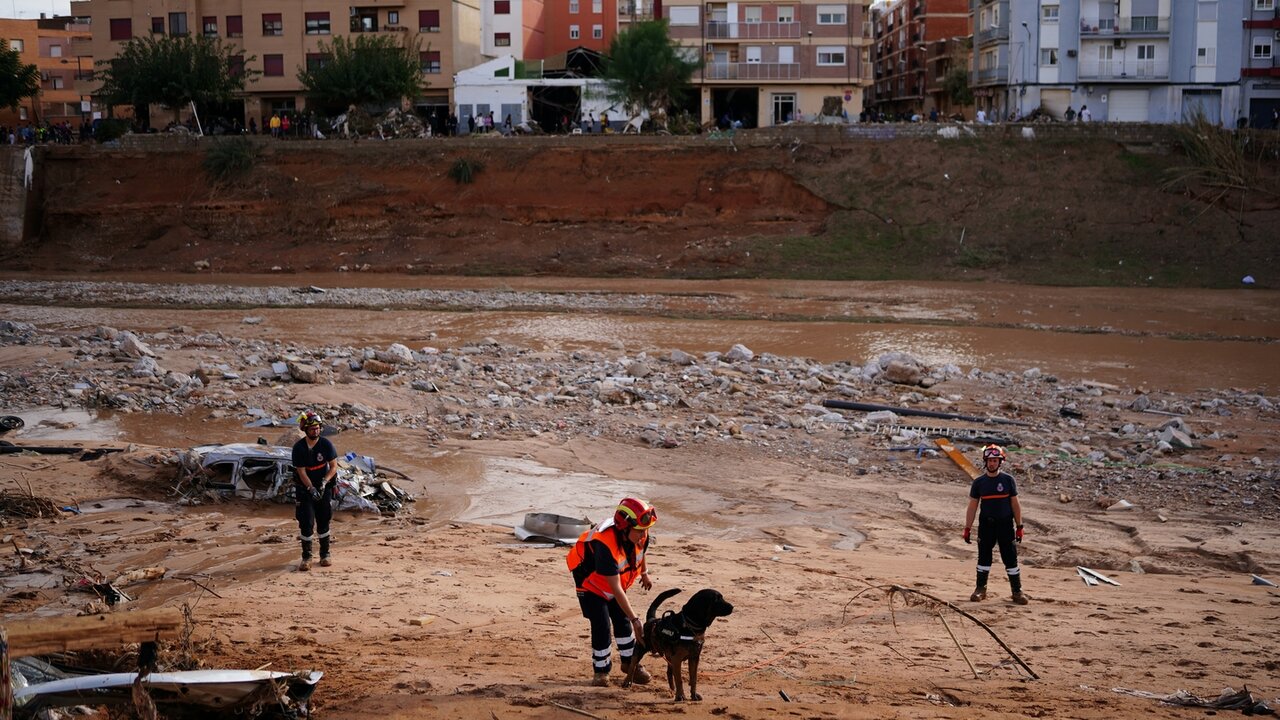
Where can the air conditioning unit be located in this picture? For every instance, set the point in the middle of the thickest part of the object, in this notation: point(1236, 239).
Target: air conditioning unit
point(710, 47)
point(1119, 44)
point(1277, 34)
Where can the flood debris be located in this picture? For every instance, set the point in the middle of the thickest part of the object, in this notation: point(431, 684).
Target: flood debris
point(557, 529)
point(266, 472)
point(23, 504)
point(1259, 580)
point(10, 422)
point(1093, 577)
point(905, 411)
point(1230, 699)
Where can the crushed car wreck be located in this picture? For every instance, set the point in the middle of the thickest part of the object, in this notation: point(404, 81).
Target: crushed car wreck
point(265, 472)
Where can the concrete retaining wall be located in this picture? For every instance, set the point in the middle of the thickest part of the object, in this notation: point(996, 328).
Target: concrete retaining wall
point(13, 196)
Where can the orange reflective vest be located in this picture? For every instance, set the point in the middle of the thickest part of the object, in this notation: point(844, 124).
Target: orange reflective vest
point(627, 572)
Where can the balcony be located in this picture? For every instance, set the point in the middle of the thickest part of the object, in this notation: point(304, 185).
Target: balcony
point(1139, 70)
point(996, 74)
point(753, 30)
point(637, 11)
point(995, 34)
point(1125, 26)
point(751, 71)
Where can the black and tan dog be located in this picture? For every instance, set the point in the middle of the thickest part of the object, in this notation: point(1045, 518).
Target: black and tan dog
point(678, 637)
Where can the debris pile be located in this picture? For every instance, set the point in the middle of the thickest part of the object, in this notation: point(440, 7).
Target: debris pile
point(26, 505)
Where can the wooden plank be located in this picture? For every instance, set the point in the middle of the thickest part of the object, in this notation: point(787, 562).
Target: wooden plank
point(41, 637)
point(958, 457)
point(1086, 577)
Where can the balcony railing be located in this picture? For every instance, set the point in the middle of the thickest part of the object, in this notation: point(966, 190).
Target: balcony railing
point(1124, 70)
point(752, 30)
point(637, 10)
point(994, 74)
point(1139, 25)
point(751, 71)
point(993, 34)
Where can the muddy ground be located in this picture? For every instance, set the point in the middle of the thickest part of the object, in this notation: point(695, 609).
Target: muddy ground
point(1083, 211)
point(796, 514)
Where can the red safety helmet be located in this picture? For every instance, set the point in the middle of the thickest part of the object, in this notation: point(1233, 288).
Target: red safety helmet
point(993, 451)
point(633, 513)
point(309, 419)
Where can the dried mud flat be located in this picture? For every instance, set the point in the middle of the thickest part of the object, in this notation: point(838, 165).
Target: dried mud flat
point(792, 512)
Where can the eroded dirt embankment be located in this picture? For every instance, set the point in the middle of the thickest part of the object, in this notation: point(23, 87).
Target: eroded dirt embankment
point(1060, 212)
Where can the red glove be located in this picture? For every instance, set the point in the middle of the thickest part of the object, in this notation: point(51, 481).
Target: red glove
point(1017, 534)
point(965, 535)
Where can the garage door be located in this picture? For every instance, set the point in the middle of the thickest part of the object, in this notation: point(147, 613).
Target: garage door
point(1128, 106)
point(1055, 102)
point(1202, 103)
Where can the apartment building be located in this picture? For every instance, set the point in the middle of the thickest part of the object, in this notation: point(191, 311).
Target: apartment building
point(1128, 60)
point(915, 43)
point(513, 27)
point(284, 36)
point(591, 24)
point(61, 50)
point(772, 61)
point(1260, 66)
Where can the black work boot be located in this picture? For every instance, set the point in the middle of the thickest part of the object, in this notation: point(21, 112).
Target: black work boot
point(980, 589)
point(1015, 585)
point(306, 556)
point(324, 552)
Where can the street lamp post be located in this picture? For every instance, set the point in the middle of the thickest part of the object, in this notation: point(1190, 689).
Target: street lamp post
point(1025, 61)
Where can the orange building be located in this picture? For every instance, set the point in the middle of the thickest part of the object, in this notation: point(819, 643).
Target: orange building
point(284, 36)
point(568, 24)
point(61, 49)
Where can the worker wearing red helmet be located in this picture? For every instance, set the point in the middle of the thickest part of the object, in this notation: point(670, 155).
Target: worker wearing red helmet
point(316, 462)
point(605, 562)
point(999, 523)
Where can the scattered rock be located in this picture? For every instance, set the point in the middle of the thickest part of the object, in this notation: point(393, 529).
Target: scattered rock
point(303, 373)
point(739, 353)
point(133, 347)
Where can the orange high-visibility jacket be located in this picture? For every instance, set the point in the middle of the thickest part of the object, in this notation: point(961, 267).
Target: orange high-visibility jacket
point(627, 573)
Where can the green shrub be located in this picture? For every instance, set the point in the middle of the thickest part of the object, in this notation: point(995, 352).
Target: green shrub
point(230, 159)
point(464, 171)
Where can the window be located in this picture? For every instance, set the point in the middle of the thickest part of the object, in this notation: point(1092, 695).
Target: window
point(574, 34)
point(273, 65)
point(502, 39)
point(317, 23)
point(235, 26)
point(752, 14)
point(157, 25)
point(121, 28)
point(18, 46)
point(428, 21)
point(1049, 14)
point(178, 23)
point(786, 13)
point(683, 16)
point(209, 25)
point(393, 17)
point(597, 31)
point(55, 51)
point(597, 6)
point(272, 25)
point(1264, 4)
point(22, 113)
point(573, 7)
point(501, 7)
point(1262, 49)
point(57, 82)
point(1206, 56)
point(235, 66)
point(831, 55)
point(1049, 56)
point(430, 61)
point(316, 61)
point(831, 15)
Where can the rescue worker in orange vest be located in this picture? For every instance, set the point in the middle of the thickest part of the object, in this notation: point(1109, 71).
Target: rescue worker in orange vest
point(605, 563)
point(999, 523)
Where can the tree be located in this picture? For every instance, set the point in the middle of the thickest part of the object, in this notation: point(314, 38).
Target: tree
point(646, 71)
point(956, 86)
point(17, 81)
point(368, 70)
point(173, 71)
